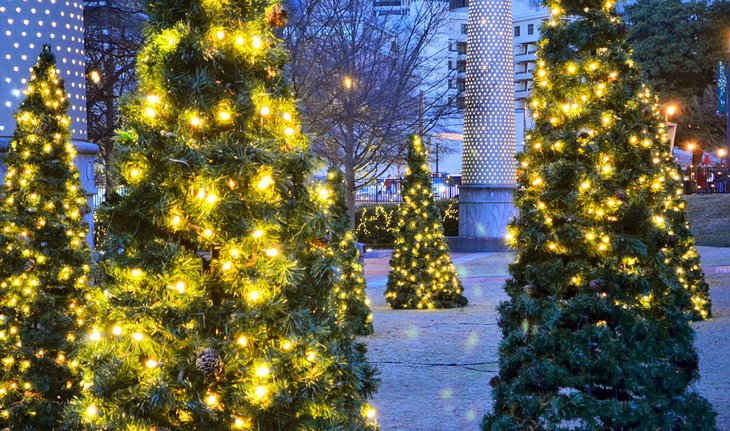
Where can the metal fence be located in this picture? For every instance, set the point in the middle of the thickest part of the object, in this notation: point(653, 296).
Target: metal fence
point(389, 190)
point(699, 180)
point(706, 180)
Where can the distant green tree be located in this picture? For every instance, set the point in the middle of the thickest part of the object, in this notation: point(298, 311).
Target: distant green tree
point(677, 44)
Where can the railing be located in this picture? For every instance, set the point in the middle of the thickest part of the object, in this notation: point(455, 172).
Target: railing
point(699, 180)
point(388, 190)
point(706, 180)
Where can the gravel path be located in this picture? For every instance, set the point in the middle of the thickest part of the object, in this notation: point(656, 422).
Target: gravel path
point(435, 365)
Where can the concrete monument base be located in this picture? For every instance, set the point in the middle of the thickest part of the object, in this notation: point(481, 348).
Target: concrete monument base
point(484, 213)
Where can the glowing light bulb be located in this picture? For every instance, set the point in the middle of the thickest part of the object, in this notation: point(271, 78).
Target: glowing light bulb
point(256, 42)
point(150, 112)
point(208, 233)
point(258, 233)
point(153, 99)
point(224, 115)
point(265, 182)
point(254, 295)
point(288, 131)
point(180, 286)
point(117, 330)
point(91, 411)
point(220, 34)
point(272, 252)
point(195, 121)
point(95, 335)
point(242, 340)
point(151, 363)
point(95, 76)
point(137, 336)
point(211, 400)
point(227, 266)
point(261, 391)
point(262, 371)
point(264, 111)
point(370, 413)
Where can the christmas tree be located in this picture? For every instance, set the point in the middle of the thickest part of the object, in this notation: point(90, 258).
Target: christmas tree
point(421, 272)
point(596, 332)
point(44, 264)
point(353, 312)
point(215, 311)
point(681, 259)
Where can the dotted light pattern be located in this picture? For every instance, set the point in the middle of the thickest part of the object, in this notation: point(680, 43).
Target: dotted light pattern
point(25, 25)
point(489, 121)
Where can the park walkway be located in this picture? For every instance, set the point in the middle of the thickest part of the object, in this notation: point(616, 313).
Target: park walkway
point(435, 365)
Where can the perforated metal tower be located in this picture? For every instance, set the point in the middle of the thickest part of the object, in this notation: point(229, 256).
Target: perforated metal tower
point(489, 165)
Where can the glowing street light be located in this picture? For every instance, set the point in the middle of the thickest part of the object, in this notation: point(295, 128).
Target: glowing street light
point(347, 82)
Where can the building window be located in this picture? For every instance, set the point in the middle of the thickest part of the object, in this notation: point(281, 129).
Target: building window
point(517, 31)
point(530, 29)
point(463, 29)
point(460, 85)
point(461, 66)
point(461, 47)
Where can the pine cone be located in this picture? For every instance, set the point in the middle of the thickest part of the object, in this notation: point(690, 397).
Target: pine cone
point(277, 16)
point(29, 266)
point(597, 285)
point(209, 363)
point(529, 289)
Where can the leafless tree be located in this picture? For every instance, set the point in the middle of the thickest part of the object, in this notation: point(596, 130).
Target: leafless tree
point(113, 36)
point(366, 80)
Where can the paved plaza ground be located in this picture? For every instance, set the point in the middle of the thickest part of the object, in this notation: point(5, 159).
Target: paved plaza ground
point(435, 365)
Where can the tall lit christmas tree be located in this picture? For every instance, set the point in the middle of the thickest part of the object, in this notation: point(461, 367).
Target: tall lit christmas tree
point(596, 333)
point(214, 310)
point(44, 260)
point(422, 274)
point(353, 312)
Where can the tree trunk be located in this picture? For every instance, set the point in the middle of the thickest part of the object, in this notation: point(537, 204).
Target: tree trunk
point(350, 182)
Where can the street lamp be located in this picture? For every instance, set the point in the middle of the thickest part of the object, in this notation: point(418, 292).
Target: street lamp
point(669, 110)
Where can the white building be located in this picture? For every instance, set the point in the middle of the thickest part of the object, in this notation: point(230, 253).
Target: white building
point(527, 18)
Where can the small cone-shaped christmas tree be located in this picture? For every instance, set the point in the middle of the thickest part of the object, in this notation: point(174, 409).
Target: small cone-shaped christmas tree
point(216, 313)
point(353, 312)
point(44, 262)
point(680, 256)
point(596, 332)
point(421, 272)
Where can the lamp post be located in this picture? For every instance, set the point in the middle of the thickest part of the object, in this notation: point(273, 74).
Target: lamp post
point(669, 110)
